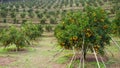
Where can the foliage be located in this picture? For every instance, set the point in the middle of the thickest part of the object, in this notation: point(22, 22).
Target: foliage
point(39, 15)
point(52, 21)
point(13, 36)
point(84, 30)
point(23, 21)
point(20, 36)
point(116, 6)
point(13, 15)
point(4, 20)
point(116, 21)
point(15, 21)
point(32, 30)
point(30, 10)
point(48, 28)
point(3, 13)
point(43, 21)
point(31, 15)
point(23, 15)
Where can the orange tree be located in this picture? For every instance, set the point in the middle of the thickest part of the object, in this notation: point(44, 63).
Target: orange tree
point(84, 31)
point(32, 30)
point(20, 36)
point(13, 36)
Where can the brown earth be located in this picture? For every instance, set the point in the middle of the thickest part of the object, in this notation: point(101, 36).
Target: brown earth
point(6, 60)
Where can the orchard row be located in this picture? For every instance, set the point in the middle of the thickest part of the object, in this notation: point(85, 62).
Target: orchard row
point(45, 11)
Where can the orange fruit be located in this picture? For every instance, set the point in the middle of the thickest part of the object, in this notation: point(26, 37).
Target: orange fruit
point(105, 27)
point(102, 10)
point(102, 20)
point(62, 44)
point(75, 38)
point(88, 34)
point(94, 14)
point(88, 30)
point(95, 20)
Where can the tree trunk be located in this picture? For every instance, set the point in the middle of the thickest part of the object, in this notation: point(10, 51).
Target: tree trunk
point(84, 55)
point(18, 48)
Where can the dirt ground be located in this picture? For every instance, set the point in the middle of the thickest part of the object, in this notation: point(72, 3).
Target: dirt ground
point(40, 55)
point(6, 60)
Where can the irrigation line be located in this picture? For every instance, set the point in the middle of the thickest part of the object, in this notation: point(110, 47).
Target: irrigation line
point(96, 58)
point(58, 52)
point(80, 61)
point(72, 58)
point(54, 46)
point(82, 54)
point(115, 42)
point(53, 57)
point(103, 61)
point(83, 61)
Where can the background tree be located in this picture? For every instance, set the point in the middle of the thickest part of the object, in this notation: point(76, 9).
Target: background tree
point(31, 15)
point(116, 24)
point(23, 15)
point(3, 13)
point(48, 28)
point(14, 36)
point(4, 20)
point(13, 15)
point(15, 21)
point(32, 30)
point(43, 21)
point(52, 21)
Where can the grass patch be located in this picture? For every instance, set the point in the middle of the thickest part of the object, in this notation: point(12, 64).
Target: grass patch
point(2, 50)
point(12, 48)
point(110, 61)
point(64, 59)
point(96, 65)
point(76, 63)
point(2, 67)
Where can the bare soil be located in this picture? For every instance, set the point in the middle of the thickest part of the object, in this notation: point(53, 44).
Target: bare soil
point(91, 58)
point(42, 52)
point(6, 60)
point(116, 65)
